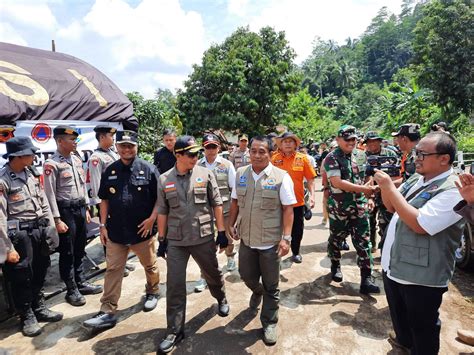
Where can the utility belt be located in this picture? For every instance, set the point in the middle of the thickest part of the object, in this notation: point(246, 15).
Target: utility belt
point(36, 224)
point(48, 236)
point(77, 203)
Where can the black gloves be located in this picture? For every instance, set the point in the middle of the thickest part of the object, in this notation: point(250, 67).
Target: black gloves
point(162, 248)
point(222, 240)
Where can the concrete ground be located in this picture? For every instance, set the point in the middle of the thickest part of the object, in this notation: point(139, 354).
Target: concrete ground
point(317, 316)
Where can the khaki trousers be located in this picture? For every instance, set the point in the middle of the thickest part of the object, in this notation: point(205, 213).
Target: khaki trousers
point(116, 258)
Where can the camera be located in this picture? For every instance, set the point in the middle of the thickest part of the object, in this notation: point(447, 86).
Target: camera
point(383, 163)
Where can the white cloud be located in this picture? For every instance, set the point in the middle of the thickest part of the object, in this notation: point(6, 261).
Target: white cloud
point(32, 14)
point(237, 7)
point(9, 35)
point(73, 31)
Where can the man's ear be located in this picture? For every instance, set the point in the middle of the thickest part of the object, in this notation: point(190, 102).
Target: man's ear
point(444, 159)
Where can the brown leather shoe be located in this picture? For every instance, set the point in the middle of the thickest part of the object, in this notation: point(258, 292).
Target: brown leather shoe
point(467, 336)
point(392, 339)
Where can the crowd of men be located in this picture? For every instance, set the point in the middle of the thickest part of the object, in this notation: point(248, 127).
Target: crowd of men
point(195, 206)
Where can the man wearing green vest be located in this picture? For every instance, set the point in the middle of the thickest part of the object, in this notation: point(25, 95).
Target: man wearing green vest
point(262, 206)
point(418, 254)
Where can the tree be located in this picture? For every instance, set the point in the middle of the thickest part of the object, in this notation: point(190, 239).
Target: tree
point(242, 84)
point(444, 52)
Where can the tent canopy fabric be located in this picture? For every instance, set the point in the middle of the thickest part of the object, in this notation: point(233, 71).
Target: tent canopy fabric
point(40, 85)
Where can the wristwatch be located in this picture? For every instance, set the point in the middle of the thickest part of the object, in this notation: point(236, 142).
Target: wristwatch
point(102, 225)
point(286, 238)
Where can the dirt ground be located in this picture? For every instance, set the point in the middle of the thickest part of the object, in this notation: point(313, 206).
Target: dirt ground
point(317, 316)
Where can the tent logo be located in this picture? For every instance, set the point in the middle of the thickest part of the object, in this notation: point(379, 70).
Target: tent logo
point(41, 133)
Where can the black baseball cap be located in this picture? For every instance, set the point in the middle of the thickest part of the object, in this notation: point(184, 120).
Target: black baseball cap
point(210, 139)
point(130, 137)
point(407, 129)
point(186, 144)
point(104, 129)
point(65, 130)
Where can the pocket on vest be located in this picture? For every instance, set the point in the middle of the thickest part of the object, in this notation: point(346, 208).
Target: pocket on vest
point(173, 231)
point(241, 197)
point(200, 195)
point(271, 229)
point(205, 225)
point(269, 199)
point(414, 255)
point(173, 199)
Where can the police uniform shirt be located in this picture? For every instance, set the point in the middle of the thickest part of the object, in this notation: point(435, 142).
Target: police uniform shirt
point(164, 159)
point(434, 216)
point(218, 161)
point(64, 180)
point(131, 193)
point(21, 199)
point(98, 162)
point(287, 191)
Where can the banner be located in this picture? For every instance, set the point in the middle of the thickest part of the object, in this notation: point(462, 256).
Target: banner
point(41, 134)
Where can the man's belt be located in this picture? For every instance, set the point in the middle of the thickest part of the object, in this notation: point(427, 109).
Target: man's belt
point(77, 203)
point(28, 225)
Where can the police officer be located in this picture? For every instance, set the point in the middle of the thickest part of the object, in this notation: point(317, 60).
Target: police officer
point(374, 148)
point(241, 156)
point(128, 213)
point(262, 202)
point(407, 136)
point(225, 175)
point(164, 158)
point(65, 187)
point(189, 200)
point(32, 235)
point(348, 209)
point(102, 157)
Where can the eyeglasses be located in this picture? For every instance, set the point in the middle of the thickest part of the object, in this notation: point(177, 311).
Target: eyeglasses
point(422, 155)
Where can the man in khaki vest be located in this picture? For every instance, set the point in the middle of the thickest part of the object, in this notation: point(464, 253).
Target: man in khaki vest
point(225, 175)
point(240, 155)
point(262, 206)
point(188, 202)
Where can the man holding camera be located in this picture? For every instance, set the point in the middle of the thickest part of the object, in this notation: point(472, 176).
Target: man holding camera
point(32, 236)
point(418, 257)
point(347, 204)
point(374, 149)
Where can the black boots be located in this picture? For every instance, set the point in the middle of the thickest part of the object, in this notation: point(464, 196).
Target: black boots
point(73, 296)
point(366, 284)
point(336, 273)
point(29, 323)
point(43, 313)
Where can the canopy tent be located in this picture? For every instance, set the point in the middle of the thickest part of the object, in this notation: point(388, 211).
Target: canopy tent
point(40, 85)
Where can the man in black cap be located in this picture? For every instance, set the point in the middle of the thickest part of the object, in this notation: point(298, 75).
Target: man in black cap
point(188, 202)
point(374, 148)
point(102, 157)
point(407, 136)
point(65, 187)
point(128, 212)
point(31, 235)
point(164, 158)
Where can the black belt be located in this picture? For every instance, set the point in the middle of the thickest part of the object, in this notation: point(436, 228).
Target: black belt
point(72, 203)
point(28, 225)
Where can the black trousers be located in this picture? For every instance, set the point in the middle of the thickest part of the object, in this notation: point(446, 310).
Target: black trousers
point(297, 229)
point(72, 244)
point(415, 317)
point(27, 276)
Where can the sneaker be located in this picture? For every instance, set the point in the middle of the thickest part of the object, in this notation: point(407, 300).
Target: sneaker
point(151, 300)
point(200, 286)
point(86, 288)
point(223, 308)
point(75, 298)
point(101, 320)
point(168, 343)
point(297, 259)
point(270, 335)
point(255, 301)
point(231, 265)
point(130, 267)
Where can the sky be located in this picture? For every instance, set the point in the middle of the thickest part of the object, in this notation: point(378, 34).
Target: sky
point(143, 45)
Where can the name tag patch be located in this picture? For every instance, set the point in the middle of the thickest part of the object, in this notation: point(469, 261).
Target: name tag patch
point(269, 187)
point(113, 177)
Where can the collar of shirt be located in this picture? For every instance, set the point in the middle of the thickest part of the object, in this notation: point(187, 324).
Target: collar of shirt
point(124, 167)
point(213, 165)
point(178, 174)
point(422, 182)
point(266, 171)
point(22, 175)
point(290, 156)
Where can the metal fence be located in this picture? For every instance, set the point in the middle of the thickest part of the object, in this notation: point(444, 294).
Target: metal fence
point(464, 161)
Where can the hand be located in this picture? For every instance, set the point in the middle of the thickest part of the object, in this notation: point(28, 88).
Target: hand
point(466, 187)
point(88, 216)
point(13, 257)
point(283, 248)
point(311, 202)
point(162, 249)
point(146, 227)
point(371, 205)
point(221, 241)
point(61, 227)
point(383, 179)
point(104, 235)
point(232, 232)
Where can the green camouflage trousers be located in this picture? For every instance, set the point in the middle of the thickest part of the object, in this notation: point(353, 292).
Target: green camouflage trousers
point(349, 218)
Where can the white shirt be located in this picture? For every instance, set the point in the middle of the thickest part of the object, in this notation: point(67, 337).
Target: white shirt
point(231, 173)
point(287, 192)
point(311, 160)
point(434, 216)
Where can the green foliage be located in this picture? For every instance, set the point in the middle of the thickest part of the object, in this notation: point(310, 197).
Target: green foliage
point(153, 116)
point(242, 84)
point(444, 48)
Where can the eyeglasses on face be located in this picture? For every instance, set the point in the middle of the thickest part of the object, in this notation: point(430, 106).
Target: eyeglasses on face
point(421, 155)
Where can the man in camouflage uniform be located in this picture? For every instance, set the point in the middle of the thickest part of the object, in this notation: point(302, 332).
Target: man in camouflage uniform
point(241, 156)
point(407, 136)
point(348, 209)
point(374, 148)
point(65, 187)
point(225, 175)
